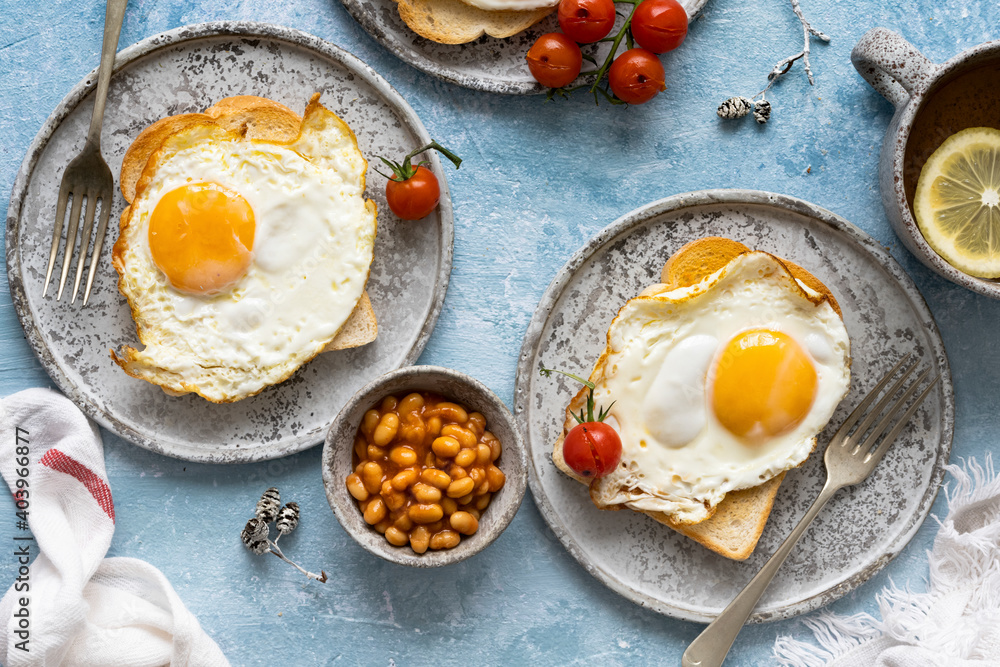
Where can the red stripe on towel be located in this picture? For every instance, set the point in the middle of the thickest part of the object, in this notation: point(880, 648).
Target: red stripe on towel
point(98, 488)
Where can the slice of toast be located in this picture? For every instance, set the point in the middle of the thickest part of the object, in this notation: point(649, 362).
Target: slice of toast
point(735, 527)
point(254, 118)
point(455, 22)
point(360, 328)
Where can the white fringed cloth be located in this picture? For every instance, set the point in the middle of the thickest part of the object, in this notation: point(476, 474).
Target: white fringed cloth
point(72, 607)
point(956, 623)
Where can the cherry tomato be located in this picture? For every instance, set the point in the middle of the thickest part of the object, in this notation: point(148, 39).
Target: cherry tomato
point(415, 197)
point(592, 449)
point(586, 21)
point(554, 60)
point(659, 25)
point(636, 76)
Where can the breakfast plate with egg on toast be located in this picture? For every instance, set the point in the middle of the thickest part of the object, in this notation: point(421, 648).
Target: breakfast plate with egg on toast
point(479, 44)
point(724, 333)
point(253, 276)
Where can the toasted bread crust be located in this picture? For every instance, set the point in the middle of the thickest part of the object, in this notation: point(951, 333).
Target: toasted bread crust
point(703, 257)
point(147, 143)
point(735, 524)
point(699, 258)
point(252, 118)
point(360, 328)
point(258, 118)
point(455, 22)
point(735, 527)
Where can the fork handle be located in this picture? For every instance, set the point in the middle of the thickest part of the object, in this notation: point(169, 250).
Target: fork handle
point(710, 648)
point(113, 17)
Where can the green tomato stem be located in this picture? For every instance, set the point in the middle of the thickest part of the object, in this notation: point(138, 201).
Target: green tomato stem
point(405, 171)
point(614, 45)
point(457, 161)
point(625, 32)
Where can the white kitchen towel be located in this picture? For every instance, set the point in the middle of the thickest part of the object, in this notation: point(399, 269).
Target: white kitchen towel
point(71, 605)
point(955, 623)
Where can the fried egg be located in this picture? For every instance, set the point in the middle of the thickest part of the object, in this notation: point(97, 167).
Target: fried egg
point(718, 386)
point(242, 259)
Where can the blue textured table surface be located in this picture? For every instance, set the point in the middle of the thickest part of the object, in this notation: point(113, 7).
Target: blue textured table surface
point(538, 181)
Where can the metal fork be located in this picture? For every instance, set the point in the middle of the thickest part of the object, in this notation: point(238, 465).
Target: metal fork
point(88, 176)
point(849, 461)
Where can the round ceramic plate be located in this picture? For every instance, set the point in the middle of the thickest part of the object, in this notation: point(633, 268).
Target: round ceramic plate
point(187, 70)
point(490, 64)
point(860, 530)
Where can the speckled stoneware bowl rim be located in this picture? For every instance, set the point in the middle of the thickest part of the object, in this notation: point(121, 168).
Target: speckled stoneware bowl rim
point(912, 107)
point(145, 47)
point(513, 461)
point(726, 197)
point(415, 59)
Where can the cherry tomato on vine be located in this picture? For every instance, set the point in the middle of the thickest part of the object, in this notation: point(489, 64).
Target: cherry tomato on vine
point(592, 449)
point(659, 25)
point(586, 21)
point(413, 191)
point(636, 76)
point(554, 60)
point(415, 197)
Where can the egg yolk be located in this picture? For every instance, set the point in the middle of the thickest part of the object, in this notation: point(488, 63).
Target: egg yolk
point(764, 385)
point(201, 237)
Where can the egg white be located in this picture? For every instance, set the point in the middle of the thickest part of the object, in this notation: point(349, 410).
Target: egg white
point(313, 246)
point(658, 371)
point(511, 5)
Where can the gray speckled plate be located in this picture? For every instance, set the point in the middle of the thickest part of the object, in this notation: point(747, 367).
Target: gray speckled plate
point(185, 70)
point(860, 530)
point(490, 64)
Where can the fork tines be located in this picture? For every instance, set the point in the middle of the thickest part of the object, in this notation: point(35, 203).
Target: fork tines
point(854, 442)
point(92, 196)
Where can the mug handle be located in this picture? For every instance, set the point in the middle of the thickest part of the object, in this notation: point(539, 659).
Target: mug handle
point(891, 65)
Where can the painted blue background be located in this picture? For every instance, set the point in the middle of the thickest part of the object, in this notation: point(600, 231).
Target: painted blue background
point(538, 181)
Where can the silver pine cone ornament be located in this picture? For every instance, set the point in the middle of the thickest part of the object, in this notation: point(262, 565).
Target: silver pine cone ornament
point(738, 107)
point(734, 107)
point(761, 111)
point(267, 506)
point(288, 518)
point(254, 535)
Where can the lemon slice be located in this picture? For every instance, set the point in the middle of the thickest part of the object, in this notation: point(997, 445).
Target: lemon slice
point(957, 203)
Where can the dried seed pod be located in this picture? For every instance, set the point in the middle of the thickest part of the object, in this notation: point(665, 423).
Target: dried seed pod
point(735, 107)
point(254, 535)
point(288, 518)
point(267, 506)
point(761, 111)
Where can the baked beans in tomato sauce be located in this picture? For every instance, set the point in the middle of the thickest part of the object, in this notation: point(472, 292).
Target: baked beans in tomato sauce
point(424, 470)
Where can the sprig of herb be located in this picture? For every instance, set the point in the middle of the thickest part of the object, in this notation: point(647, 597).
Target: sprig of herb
point(582, 418)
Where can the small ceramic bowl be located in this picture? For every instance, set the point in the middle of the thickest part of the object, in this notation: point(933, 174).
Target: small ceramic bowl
point(459, 387)
point(933, 101)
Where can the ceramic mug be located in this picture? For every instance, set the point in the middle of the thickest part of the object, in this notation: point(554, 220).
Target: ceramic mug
point(933, 101)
